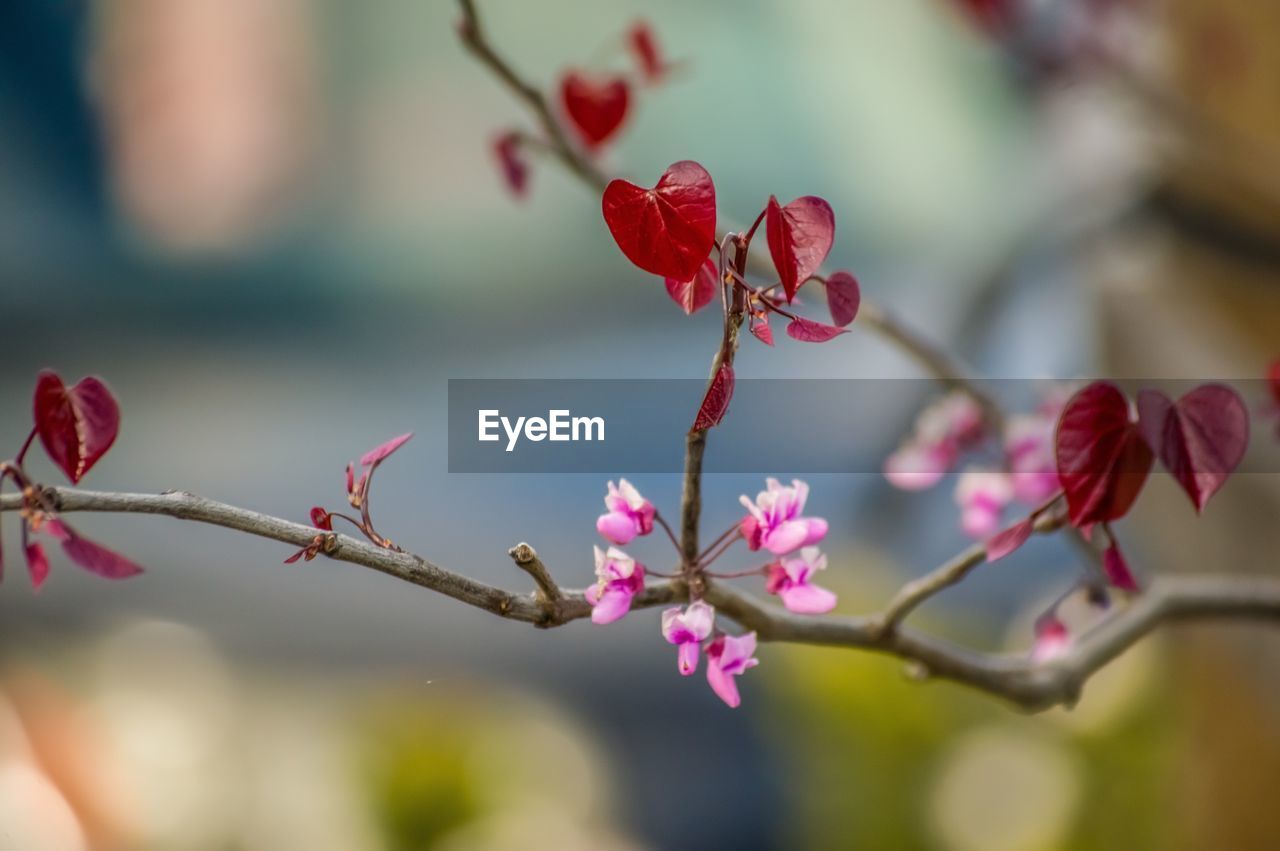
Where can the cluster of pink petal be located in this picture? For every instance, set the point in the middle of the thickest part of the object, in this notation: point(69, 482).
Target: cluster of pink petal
point(775, 522)
point(629, 514)
point(620, 578)
point(942, 432)
point(789, 578)
point(1030, 475)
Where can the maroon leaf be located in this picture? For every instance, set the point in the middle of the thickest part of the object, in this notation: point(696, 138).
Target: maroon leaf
point(1273, 380)
point(1200, 439)
point(1010, 540)
point(76, 426)
point(716, 403)
point(596, 107)
point(98, 559)
point(668, 230)
point(644, 45)
point(512, 164)
point(844, 296)
point(761, 330)
point(1102, 457)
point(37, 564)
point(1117, 568)
point(800, 237)
point(373, 456)
point(321, 519)
point(808, 331)
point(993, 16)
point(696, 293)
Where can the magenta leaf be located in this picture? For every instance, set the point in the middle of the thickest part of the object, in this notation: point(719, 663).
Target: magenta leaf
point(37, 564)
point(716, 403)
point(761, 330)
point(696, 293)
point(373, 456)
point(808, 331)
point(844, 296)
point(511, 163)
point(98, 559)
point(1102, 457)
point(321, 519)
point(668, 230)
point(78, 425)
point(1200, 439)
point(1010, 540)
point(800, 237)
point(596, 106)
point(1117, 568)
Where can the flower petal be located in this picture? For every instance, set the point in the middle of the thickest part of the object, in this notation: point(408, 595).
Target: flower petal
point(807, 599)
point(612, 605)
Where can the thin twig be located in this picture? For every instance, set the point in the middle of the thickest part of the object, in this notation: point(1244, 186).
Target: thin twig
point(527, 560)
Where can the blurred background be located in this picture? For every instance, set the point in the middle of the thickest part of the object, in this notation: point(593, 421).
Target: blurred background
point(277, 229)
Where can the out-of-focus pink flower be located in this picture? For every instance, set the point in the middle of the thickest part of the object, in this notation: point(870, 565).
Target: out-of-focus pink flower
point(774, 520)
point(620, 578)
point(982, 496)
point(629, 514)
point(687, 629)
point(1028, 445)
point(789, 578)
point(1053, 640)
point(942, 431)
point(727, 657)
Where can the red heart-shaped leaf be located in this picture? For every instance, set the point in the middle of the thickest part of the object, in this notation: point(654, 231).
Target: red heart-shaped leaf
point(668, 230)
point(373, 456)
point(98, 559)
point(808, 331)
point(512, 164)
point(1200, 439)
point(1102, 457)
point(844, 296)
point(696, 293)
point(800, 237)
point(596, 107)
point(76, 426)
point(716, 403)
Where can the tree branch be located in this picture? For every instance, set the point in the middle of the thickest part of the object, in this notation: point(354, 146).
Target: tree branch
point(1031, 686)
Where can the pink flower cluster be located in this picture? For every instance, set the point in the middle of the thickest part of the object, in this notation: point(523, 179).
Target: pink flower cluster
point(775, 522)
point(953, 425)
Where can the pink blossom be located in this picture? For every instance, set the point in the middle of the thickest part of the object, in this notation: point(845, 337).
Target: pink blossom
point(1028, 445)
point(620, 578)
point(982, 496)
point(774, 520)
point(727, 657)
point(629, 514)
point(943, 430)
point(789, 579)
point(686, 630)
point(1053, 640)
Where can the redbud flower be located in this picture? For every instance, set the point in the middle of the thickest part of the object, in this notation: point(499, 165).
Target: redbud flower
point(620, 578)
point(686, 630)
point(1052, 640)
point(727, 657)
point(982, 496)
point(942, 431)
point(789, 579)
point(774, 522)
point(629, 514)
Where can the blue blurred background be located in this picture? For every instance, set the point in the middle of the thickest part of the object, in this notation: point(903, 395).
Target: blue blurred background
point(277, 231)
